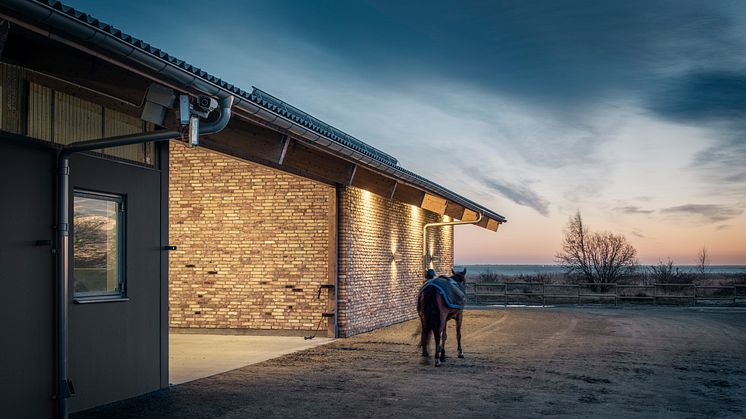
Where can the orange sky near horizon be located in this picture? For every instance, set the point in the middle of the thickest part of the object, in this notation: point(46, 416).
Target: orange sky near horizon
point(530, 238)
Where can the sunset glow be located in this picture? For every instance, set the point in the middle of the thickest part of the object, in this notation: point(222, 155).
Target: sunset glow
point(631, 112)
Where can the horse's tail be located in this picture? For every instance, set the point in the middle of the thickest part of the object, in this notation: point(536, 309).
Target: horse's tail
point(427, 306)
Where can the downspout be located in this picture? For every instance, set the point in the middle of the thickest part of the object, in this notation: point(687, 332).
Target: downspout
point(64, 385)
point(444, 223)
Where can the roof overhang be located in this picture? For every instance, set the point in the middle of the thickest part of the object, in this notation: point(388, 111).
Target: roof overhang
point(264, 129)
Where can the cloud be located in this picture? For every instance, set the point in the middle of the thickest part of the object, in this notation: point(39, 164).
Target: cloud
point(711, 212)
point(715, 99)
point(736, 178)
point(709, 96)
point(633, 210)
point(520, 194)
point(576, 51)
point(722, 227)
point(638, 234)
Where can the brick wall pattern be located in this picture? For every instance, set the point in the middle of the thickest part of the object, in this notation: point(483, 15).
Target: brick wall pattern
point(253, 244)
point(380, 259)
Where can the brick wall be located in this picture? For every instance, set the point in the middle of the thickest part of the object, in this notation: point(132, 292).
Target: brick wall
point(253, 244)
point(380, 259)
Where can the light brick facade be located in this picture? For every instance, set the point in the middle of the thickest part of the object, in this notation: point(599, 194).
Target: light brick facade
point(254, 245)
point(380, 259)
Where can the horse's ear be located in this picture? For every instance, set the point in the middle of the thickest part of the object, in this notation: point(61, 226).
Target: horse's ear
point(453, 272)
point(463, 272)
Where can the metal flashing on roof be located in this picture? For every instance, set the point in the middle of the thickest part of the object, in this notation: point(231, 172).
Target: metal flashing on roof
point(296, 115)
point(258, 103)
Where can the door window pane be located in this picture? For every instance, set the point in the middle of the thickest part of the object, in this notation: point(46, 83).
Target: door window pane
point(98, 245)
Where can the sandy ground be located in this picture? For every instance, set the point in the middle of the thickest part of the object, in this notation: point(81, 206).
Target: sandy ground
point(188, 360)
point(520, 362)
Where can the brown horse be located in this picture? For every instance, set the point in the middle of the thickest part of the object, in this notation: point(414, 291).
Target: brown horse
point(435, 313)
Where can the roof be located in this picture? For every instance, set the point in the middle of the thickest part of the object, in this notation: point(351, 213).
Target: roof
point(53, 13)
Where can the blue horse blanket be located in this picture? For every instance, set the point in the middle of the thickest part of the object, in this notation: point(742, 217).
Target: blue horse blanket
point(452, 291)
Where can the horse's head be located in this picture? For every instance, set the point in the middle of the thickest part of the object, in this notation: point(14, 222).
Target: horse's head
point(459, 276)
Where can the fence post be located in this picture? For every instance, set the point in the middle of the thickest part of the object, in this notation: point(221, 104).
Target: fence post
point(476, 295)
point(655, 294)
point(577, 287)
point(505, 293)
point(544, 298)
point(695, 295)
point(694, 302)
point(734, 294)
point(616, 294)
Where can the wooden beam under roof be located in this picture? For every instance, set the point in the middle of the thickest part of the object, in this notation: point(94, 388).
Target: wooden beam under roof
point(492, 224)
point(247, 141)
point(309, 161)
point(48, 57)
point(408, 194)
point(454, 210)
point(373, 182)
point(483, 222)
point(434, 203)
point(469, 215)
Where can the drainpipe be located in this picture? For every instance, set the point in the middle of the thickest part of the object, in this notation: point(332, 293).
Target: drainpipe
point(445, 223)
point(64, 385)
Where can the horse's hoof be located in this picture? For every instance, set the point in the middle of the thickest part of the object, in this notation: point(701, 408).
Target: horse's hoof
point(460, 355)
point(425, 355)
point(437, 363)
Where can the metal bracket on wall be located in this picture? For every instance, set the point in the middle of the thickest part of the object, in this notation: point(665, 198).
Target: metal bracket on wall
point(324, 286)
point(41, 243)
point(67, 390)
point(169, 248)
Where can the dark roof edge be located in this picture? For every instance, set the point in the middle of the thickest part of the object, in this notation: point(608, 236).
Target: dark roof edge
point(277, 112)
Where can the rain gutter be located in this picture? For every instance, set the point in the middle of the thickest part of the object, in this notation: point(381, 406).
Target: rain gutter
point(43, 12)
point(425, 260)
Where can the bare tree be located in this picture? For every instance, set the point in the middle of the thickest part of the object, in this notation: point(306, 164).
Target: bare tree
point(703, 260)
point(597, 257)
point(574, 254)
point(665, 272)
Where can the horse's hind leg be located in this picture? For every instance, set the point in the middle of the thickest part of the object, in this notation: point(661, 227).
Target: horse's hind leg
point(424, 336)
point(443, 343)
point(458, 334)
point(441, 354)
point(436, 335)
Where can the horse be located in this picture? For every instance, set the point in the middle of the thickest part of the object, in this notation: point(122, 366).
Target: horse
point(434, 314)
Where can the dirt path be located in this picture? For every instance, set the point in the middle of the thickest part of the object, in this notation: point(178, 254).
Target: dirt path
point(670, 362)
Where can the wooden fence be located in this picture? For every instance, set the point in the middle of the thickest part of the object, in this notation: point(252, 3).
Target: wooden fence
point(532, 293)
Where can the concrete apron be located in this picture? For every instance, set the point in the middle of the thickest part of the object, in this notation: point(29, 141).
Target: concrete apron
point(193, 356)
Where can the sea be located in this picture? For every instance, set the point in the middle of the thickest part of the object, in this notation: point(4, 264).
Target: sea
point(516, 270)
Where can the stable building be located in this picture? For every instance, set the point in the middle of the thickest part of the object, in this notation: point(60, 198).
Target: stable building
point(132, 209)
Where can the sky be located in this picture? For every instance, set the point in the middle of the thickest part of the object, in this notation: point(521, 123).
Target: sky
point(632, 112)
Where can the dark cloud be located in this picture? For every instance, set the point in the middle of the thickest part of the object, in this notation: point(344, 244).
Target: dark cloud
point(581, 50)
point(520, 194)
point(711, 212)
point(711, 96)
point(633, 210)
point(716, 100)
point(638, 234)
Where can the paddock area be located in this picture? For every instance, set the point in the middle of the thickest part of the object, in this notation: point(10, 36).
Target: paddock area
point(520, 362)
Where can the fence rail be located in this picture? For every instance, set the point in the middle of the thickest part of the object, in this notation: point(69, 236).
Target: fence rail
point(511, 293)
